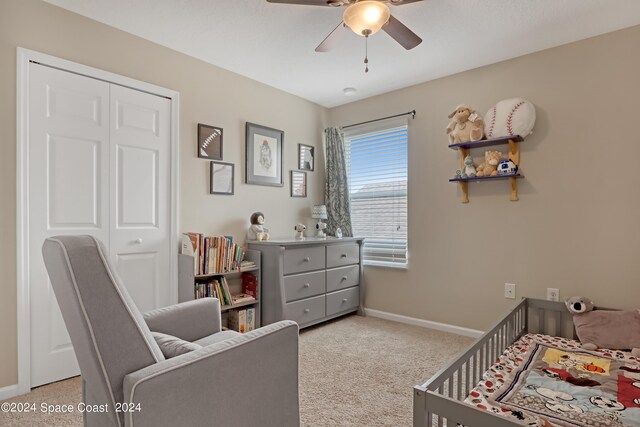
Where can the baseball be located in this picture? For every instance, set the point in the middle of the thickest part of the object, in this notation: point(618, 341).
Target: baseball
point(509, 117)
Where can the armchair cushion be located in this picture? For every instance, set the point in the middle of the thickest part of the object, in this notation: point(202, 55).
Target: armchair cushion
point(220, 336)
point(190, 321)
point(173, 346)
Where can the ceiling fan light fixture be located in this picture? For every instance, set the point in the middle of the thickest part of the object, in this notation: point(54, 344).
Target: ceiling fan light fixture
point(366, 17)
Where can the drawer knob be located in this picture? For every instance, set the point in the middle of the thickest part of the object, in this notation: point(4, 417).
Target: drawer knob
point(344, 277)
point(306, 310)
point(307, 259)
point(306, 285)
point(343, 255)
point(344, 300)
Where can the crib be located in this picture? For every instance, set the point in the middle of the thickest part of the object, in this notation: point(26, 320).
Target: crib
point(439, 401)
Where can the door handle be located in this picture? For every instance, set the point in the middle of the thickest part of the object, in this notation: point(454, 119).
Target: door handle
point(138, 241)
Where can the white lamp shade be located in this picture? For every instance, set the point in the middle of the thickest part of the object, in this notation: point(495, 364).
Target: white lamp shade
point(366, 17)
point(319, 212)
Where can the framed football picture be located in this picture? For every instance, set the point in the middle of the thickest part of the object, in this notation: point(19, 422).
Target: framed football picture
point(209, 142)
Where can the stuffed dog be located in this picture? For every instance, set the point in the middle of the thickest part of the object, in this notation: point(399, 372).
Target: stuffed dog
point(616, 330)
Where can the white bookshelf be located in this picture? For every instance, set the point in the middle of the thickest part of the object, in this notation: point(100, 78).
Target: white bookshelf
point(187, 280)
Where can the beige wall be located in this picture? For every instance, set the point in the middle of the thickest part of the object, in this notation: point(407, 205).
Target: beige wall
point(208, 95)
point(577, 224)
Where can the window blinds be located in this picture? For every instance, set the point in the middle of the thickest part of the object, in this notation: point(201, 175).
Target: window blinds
point(377, 172)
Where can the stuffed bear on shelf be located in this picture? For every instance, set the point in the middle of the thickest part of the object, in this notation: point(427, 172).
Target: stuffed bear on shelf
point(490, 165)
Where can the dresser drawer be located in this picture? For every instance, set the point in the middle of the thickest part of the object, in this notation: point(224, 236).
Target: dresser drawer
point(339, 255)
point(304, 259)
point(304, 285)
point(306, 310)
point(344, 277)
point(340, 301)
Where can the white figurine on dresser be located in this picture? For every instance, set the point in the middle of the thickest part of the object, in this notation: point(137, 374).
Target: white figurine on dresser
point(310, 281)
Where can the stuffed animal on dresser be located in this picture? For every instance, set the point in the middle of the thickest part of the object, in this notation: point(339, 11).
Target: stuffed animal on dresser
point(257, 231)
point(615, 330)
point(490, 165)
point(466, 125)
point(299, 228)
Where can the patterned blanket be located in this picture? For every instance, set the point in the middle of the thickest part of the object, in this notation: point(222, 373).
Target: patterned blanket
point(547, 381)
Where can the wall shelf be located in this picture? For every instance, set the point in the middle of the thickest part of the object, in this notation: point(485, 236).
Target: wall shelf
point(486, 178)
point(513, 155)
point(504, 140)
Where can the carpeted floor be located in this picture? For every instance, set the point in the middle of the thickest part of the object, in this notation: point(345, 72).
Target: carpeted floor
point(354, 371)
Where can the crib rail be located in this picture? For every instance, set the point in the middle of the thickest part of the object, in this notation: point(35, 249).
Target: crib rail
point(439, 401)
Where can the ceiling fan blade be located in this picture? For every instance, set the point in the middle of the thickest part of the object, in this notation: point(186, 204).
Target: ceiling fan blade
point(302, 2)
point(332, 39)
point(400, 2)
point(400, 33)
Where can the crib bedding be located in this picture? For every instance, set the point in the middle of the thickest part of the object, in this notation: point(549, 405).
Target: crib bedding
point(548, 381)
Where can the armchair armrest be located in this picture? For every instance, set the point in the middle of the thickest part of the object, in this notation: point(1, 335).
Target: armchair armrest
point(247, 380)
point(190, 321)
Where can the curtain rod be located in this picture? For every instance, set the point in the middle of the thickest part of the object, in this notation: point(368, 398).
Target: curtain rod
point(412, 113)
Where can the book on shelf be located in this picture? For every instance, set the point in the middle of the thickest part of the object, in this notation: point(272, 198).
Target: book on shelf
point(251, 319)
point(237, 321)
point(212, 254)
point(247, 264)
point(241, 297)
point(216, 288)
point(250, 284)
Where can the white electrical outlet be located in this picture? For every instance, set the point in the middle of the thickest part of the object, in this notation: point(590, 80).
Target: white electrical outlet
point(553, 294)
point(510, 290)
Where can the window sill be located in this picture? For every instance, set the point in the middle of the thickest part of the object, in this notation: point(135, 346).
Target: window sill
point(396, 266)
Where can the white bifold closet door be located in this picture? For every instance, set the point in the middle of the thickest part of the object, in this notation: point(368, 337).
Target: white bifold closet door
point(99, 164)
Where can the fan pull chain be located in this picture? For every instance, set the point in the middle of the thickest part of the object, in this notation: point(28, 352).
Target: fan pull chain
point(366, 53)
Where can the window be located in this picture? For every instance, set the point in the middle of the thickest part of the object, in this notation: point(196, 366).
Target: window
point(377, 173)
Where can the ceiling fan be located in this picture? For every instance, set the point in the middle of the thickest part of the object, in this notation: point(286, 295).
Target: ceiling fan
point(364, 17)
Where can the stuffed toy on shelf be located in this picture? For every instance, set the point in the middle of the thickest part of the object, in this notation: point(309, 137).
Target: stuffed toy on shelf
point(490, 165)
point(510, 117)
point(469, 170)
point(466, 125)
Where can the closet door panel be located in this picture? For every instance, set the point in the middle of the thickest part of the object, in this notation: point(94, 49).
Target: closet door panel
point(68, 185)
point(140, 188)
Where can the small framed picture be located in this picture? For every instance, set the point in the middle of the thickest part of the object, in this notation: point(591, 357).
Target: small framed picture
point(298, 184)
point(306, 157)
point(221, 179)
point(209, 142)
point(264, 155)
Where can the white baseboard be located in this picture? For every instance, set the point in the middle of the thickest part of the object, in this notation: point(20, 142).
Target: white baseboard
point(8, 392)
point(423, 323)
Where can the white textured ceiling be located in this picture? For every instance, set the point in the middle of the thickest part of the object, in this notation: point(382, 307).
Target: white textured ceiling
point(274, 43)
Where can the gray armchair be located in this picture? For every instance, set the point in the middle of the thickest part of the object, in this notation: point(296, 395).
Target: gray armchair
point(201, 376)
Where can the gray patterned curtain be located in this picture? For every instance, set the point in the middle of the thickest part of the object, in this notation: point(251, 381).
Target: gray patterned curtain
point(336, 194)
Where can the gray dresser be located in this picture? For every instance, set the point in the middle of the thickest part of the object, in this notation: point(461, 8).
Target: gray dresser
point(310, 281)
